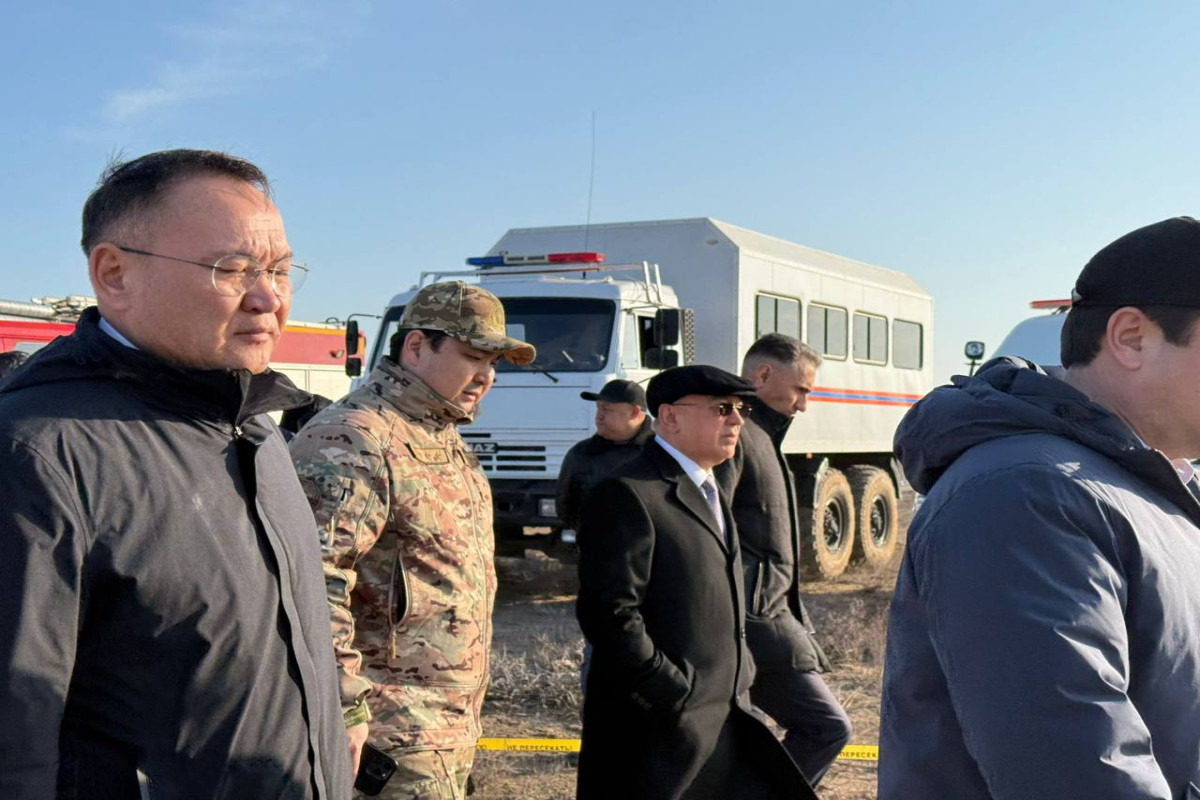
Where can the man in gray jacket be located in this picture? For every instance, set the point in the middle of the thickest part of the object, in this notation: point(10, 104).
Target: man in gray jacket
point(163, 625)
point(1044, 639)
point(762, 498)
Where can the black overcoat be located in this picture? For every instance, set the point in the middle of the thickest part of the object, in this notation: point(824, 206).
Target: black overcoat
point(661, 602)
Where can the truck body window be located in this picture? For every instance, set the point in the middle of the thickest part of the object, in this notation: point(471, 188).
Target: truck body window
point(827, 330)
point(908, 343)
point(870, 338)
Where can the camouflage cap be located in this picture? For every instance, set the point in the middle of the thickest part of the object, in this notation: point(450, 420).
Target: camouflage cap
point(468, 313)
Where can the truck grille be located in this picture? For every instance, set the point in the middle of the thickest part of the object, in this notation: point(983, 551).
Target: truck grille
point(511, 457)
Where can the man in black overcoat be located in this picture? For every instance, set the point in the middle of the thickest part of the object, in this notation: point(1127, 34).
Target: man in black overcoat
point(667, 714)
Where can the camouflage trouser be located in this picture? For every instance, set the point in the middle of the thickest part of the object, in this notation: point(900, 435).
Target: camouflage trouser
point(430, 775)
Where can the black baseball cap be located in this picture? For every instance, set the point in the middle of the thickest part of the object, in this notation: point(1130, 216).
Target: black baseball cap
point(1158, 265)
point(619, 391)
point(672, 384)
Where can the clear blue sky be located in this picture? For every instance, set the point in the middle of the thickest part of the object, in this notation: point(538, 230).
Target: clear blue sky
point(987, 149)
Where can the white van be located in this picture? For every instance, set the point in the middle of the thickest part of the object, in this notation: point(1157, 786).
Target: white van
point(1037, 338)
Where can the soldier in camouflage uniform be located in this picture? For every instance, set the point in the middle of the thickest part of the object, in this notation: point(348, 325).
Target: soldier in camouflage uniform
point(405, 518)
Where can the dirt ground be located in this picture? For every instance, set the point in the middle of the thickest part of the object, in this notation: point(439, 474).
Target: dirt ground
point(538, 648)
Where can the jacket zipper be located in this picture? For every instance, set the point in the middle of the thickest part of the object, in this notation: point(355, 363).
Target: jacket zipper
point(487, 638)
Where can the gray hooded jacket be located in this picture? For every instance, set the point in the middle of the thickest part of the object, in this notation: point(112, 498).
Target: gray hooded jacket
point(1044, 639)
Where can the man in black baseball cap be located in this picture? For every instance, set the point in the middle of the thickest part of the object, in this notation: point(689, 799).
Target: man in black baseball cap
point(1049, 592)
point(622, 427)
point(667, 710)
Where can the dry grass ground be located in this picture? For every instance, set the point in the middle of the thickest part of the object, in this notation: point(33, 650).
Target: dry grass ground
point(538, 648)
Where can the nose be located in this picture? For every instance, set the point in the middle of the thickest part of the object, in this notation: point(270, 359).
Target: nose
point(261, 298)
point(486, 374)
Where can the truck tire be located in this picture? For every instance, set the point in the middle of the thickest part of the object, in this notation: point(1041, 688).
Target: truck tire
point(827, 529)
point(877, 511)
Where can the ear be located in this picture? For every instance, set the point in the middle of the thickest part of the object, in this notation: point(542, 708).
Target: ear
point(665, 421)
point(761, 374)
point(110, 270)
point(1130, 336)
point(410, 351)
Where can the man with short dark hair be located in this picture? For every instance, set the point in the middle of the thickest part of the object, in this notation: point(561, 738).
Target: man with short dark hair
point(1044, 640)
point(762, 492)
point(667, 712)
point(405, 518)
point(161, 601)
point(622, 428)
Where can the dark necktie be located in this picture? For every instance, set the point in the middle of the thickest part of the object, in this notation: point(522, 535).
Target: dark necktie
point(709, 487)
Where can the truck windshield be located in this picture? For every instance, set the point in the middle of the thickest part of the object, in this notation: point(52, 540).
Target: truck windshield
point(571, 334)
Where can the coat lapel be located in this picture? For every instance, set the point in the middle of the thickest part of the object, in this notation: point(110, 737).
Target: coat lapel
point(688, 494)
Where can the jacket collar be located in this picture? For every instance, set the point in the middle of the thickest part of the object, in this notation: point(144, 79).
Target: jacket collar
point(771, 421)
point(686, 492)
point(413, 398)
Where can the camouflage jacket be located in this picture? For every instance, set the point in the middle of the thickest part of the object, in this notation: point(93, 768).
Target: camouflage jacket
point(405, 518)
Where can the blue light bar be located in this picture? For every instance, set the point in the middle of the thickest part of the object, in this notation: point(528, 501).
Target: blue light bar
point(486, 261)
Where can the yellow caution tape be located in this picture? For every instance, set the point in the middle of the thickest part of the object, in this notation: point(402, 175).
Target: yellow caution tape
point(531, 745)
point(851, 752)
point(859, 752)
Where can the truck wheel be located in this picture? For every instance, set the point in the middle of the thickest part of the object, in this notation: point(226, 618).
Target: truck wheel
point(878, 516)
point(827, 529)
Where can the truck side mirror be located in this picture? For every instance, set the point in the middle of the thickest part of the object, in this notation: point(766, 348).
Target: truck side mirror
point(660, 358)
point(354, 366)
point(666, 327)
point(352, 339)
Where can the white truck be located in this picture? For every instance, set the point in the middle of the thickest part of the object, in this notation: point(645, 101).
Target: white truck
point(1037, 338)
point(700, 290)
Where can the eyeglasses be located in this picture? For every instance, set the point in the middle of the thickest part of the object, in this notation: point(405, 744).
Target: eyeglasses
point(722, 409)
point(234, 275)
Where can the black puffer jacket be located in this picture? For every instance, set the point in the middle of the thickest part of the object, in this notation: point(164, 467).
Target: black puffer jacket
point(762, 497)
point(162, 609)
point(589, 461)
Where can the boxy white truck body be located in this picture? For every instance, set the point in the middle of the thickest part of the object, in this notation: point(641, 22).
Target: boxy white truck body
point(874, 327)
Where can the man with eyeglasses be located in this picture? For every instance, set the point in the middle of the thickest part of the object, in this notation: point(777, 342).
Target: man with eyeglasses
point(762, 492)
point(667, 712)
point(163, 627)
point(404, 513)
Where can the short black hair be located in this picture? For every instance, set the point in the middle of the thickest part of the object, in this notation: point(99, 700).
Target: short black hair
point(397, 341)
point(10, 361)
point(129, 188)
point(780, 348)
point(1085, 327)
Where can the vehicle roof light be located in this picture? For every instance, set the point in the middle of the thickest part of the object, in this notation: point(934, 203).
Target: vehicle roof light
point(523, 261)
point(1041, 304)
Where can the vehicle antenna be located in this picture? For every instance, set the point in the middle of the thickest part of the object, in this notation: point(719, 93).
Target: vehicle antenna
point(591, 184)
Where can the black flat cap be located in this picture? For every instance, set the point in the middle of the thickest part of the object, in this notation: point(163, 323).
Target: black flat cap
point(672, 384)
point(619, 391)
point(1158, 265)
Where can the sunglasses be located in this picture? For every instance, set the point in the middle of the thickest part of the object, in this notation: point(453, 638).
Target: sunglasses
point(722, 409)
